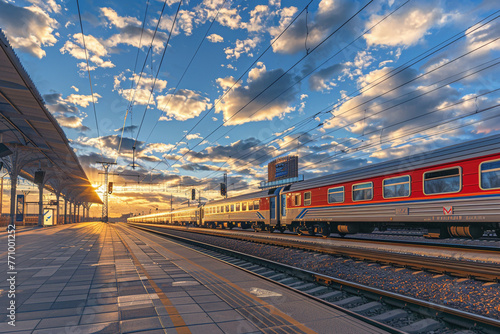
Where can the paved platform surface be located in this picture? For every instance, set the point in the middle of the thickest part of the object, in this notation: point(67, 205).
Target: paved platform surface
point(111, 278)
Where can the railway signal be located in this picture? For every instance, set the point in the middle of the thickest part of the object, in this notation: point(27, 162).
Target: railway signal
point(223, 189)
point(193, 194)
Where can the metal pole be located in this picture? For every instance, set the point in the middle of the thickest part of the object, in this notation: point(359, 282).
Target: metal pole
point(65, 210)
point(225, 182)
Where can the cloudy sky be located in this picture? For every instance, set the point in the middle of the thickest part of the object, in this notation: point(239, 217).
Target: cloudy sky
point(340, 83)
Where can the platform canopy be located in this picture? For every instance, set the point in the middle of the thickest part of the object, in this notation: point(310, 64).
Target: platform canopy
point(33, 135)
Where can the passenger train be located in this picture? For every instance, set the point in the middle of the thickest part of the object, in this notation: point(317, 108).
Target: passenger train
point(453, 191)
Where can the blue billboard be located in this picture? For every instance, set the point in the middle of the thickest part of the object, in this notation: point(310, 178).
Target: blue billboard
point(281, 170)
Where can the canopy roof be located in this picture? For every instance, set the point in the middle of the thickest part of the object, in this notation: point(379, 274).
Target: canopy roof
point(30, 131)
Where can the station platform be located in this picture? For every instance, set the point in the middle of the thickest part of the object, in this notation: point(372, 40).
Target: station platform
point(112, 278)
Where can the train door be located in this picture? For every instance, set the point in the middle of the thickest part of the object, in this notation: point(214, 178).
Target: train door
point(283, 205)
point(272, 207)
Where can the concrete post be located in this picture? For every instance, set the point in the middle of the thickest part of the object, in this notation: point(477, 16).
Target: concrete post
point(40, 205)
point(70, 212)
point(13, 199)
point(65, 210)
point(57, 208)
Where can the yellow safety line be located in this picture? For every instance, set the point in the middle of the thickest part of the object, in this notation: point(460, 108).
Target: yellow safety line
point(272, 309)
point(174, 315)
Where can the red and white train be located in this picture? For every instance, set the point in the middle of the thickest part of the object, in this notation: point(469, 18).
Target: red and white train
point(454, 191)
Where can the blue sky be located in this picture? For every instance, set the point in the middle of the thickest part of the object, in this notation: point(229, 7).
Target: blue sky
point(340, 83)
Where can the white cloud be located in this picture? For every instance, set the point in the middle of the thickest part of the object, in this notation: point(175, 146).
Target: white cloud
point(116, 20)
point(28, 28)
point(95, 48)
point(324, 79)
point(406, 27)
point(214, 38)
point(229, 18)
point(157, 147)
point(193, 136)
point(82, 100)
point(47, 5)
point(141, 93)
point(72, 122)
point(75, 88)
point(242, 47)
point(183, 105)
point(330, 14)
point(259, 16)
point(267, 106)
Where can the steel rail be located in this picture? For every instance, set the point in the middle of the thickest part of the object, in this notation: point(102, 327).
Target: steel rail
point(447, 314)
point(460, 268)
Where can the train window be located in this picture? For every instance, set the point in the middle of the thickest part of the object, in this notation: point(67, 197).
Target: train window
point(232, 207)
point(238, 207)
point(227, 208)
point(362, 191)
point(396, 187)
point(307, 198)
point(250, 206)
point(336, 195)
point(490, 174)
point(244, 206)
point(256, 205)
point(296, 200)
point(443, 181)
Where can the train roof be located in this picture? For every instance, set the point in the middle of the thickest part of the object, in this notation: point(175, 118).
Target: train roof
point(467, 150)
point(255, 194)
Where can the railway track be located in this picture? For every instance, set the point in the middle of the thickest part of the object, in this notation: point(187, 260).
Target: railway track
point(393, 312)
point(449, 266)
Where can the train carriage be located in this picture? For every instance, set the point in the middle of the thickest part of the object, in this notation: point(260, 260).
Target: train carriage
point(245, 211)
point(451, 191)
point(187, 216)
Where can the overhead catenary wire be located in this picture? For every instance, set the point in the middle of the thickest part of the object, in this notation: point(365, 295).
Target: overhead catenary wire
point(462, 36)
point(406, 101)
point(239, 78)
point(90, 78)
point(232, 86)
point(158, 71)
point(407, 82)
point(485, 66)
point(277, 79)
point(448, 129)
point(187, 67)
point(132, 83)
point(315, 69)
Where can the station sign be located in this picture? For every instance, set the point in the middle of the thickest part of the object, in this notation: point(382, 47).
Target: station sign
point(20, 208)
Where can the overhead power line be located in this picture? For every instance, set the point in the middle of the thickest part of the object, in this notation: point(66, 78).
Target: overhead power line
point(158, 71)
point(90, 78)
point(132, 83)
